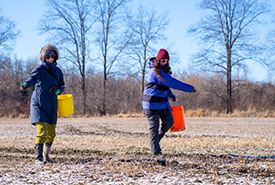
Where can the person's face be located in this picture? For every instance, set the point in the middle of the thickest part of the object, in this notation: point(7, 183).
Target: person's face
point(163, 62)
point(50, 58)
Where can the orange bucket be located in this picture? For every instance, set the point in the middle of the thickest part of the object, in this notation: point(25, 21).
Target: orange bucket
point(178, 115)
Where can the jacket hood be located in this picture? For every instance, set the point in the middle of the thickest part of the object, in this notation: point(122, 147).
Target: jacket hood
point(46, 49)
point(150, 64)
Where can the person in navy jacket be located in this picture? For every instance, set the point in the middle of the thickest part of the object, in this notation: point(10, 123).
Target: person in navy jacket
point(156, 96)
point(49, 82)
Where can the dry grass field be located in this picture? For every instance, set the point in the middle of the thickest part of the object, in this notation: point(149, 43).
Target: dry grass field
point(115, 150)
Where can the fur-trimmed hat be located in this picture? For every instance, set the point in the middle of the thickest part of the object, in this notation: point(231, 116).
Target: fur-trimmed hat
point(46, 50)
point(163, 54)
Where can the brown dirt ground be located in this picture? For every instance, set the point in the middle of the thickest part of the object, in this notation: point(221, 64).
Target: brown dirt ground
point(116, 150)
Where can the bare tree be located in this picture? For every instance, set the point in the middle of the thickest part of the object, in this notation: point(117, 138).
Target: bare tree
point(111, 39)
point(228, 32)
point(148, 28)
point(8, 33)
point(270, 49)
point(70, 22)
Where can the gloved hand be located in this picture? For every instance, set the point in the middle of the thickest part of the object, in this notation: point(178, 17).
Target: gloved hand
point(171, 99)
point(24, 86)
point(57, 92)
point(193, 91)
point(54, 90)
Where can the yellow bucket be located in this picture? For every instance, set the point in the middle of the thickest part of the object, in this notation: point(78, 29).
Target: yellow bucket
point(65, 106)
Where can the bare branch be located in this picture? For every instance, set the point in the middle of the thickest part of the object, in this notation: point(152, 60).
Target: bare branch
point(8, 34)
point(69, 23)
point(228, 28)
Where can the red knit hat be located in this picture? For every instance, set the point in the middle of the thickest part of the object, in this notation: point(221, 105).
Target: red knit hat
point(163, 54)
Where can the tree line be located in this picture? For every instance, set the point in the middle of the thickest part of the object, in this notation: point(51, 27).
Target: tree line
point(123, 93)
point(106, 47)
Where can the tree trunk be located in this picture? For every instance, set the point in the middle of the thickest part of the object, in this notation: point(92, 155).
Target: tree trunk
point(143, 75)
point(84, 93)
point(143, 70)
point(229, 84)
point(103, 112)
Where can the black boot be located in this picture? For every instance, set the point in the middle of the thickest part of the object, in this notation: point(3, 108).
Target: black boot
point(38, 154)
point(46, 152)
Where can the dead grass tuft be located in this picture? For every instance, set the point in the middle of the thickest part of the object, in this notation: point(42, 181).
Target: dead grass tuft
point(201, 113)
point(250, 113)
point(130, 115)
point(18, 116)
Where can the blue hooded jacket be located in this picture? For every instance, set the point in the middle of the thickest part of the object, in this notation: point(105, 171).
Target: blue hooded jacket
point(43, 103)
point(156, 94)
